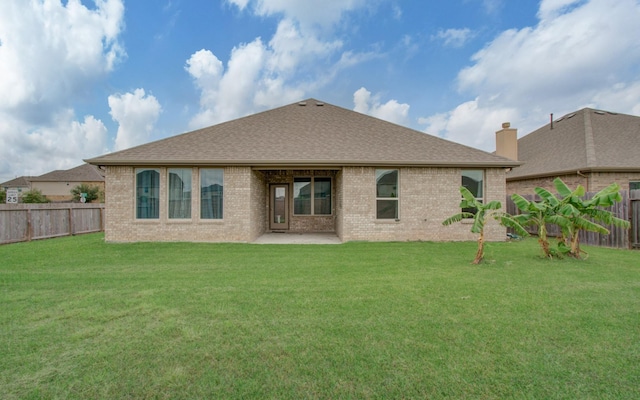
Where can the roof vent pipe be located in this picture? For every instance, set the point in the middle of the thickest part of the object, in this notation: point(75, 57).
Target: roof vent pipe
point(551, 118)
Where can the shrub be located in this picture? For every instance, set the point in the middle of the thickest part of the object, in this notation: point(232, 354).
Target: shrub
point(93, 192)
point(34, 196)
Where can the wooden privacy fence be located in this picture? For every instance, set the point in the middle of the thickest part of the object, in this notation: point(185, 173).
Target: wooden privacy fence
point(628, 209)
point(25, 222)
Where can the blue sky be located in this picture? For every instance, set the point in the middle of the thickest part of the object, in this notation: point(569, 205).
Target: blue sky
point(83, 78)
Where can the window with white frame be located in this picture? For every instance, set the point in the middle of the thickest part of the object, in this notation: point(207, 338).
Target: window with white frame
point(387, 196)
point(473, 180)
point(211, 193)
point(179, 193)
point(147, 193)
point(312, 196)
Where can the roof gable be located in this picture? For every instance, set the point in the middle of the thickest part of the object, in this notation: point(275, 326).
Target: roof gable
point(584, 140)
point(306, 133)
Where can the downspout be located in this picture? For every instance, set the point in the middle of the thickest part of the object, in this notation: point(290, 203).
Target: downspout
point(580, 174)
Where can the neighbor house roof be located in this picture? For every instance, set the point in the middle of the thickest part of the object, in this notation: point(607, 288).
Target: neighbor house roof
point(306, 133)
point(21, 181)
point(586, 140)
point(81, 173)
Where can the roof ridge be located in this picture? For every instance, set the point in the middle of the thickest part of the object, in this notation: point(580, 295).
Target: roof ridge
point(590, 147)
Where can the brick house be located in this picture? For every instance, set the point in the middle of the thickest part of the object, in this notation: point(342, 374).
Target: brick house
point(305, 167)
point(57, 185)
point(593, 148)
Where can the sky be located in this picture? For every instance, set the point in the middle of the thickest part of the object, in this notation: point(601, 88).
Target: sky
point(81, 78)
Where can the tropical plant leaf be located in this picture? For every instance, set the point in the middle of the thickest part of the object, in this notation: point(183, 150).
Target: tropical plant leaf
point(547, 196)
point(457, 218)
point(512, 222)
point(562, 188)
point(587, 225)
point(467, 195)
point(520, 202)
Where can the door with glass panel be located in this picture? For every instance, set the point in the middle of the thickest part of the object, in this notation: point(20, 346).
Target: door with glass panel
point(279, 207)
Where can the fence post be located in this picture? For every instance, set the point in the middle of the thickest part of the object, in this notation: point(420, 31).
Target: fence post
point(29, 225)
point(71, 221)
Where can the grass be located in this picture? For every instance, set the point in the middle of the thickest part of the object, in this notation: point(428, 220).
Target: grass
point(84, 319)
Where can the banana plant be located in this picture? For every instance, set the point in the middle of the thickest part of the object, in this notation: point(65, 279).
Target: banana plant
point(537, 214)
point(575, 213)
point(480, 217)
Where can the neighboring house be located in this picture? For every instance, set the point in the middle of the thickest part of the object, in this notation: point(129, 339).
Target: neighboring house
point(21, 184)
point(57, 185)
point(304, 167)
point(589, 147)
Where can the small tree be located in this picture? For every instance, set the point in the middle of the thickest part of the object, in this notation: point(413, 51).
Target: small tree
point(93, 192)
point(482, 214)
point(3, 196)
point(34, 196)
point(576, 214)
point(538, 214)
point(571, 213)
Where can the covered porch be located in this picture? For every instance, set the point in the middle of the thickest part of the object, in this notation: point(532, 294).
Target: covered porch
point(299, 200)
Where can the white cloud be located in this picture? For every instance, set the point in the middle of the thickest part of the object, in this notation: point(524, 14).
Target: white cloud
point(579, 54)
point(291, 47)
point(492, 6)
point(454, 37)
point(50, 54)
point(552, 8)
point(303, 55)
point(227, 94)
point(241, 4)
point(29, 150)
point(391, 111)
point(470, 123)
point(260, 75)
point(136, 114)
point(322, 15)
point(48, 51)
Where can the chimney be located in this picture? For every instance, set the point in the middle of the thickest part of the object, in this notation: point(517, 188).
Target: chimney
point(507, 142)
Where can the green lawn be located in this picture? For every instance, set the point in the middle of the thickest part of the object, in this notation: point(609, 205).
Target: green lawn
point(84, 319)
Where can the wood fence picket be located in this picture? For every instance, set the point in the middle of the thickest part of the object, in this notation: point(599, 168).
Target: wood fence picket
point(25, 222)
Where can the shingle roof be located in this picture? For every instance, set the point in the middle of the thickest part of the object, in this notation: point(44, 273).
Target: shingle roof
point(81, 173)
point(585, 140)
point(307, 133)
point(21, 181)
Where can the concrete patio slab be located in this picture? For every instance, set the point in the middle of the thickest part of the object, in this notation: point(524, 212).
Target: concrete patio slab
point(298, 238)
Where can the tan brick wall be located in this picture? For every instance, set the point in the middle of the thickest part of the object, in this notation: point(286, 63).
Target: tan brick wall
point(527, 186)
point(240, 186)
point(593, 182)
point(600, 180)
point(427, 197)
point(259, 205)
point(339, 195)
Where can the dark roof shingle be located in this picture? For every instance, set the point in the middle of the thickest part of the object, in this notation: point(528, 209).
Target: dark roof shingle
point(307, 133)
point(585, 140)
point(81, 173)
